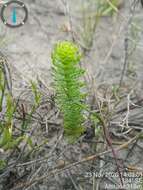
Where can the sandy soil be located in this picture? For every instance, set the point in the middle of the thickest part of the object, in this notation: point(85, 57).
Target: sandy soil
point(28, 50)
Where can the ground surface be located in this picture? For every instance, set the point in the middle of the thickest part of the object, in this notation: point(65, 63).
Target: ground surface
point(28, 50)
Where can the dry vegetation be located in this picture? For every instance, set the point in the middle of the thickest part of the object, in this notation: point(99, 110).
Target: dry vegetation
point(35, 152)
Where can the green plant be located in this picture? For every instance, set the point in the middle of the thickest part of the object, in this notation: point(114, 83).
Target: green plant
point(7, 109)
point(37, 98)
point(91, 13)
point(141, 183)
point(89, 21)
point(106, 8)
point(68, 86)
point(2, 164)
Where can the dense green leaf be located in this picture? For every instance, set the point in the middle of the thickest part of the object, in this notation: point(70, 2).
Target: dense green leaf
point(70, 98)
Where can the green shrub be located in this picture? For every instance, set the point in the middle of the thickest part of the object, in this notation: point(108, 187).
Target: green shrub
point(68, 86)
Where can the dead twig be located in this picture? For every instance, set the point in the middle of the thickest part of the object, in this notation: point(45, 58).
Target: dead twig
point(56, 170)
